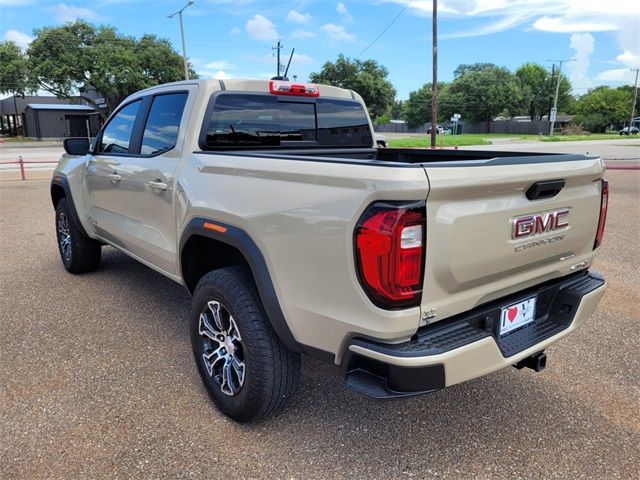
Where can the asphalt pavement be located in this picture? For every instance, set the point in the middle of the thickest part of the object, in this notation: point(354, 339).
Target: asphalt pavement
point(97, 381)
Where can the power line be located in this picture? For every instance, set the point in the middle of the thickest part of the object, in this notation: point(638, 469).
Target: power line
point(386, 28)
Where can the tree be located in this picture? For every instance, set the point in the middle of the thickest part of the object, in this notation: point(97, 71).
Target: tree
point(417, 110)
point(14, 70)
point(481, 93)
point(465, 68)
point(602, 107)
point(367, 78)
point(538, 90)
point(78, 55)
point(397, 109)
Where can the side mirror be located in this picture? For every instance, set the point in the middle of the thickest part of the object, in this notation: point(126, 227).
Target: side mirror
point(76, 146)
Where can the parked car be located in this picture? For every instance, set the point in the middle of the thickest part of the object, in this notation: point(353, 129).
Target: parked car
point(625, 131)
point(439, 130)
point(411, 269)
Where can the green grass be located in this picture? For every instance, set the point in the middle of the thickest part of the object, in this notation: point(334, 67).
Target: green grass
point(455, 140)
point(589, 136)
point(467, 139)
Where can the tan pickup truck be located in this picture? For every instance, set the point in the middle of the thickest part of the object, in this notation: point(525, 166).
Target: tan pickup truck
point(412, 269)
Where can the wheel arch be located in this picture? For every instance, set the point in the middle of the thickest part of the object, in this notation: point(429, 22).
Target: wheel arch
point(60, 189)
point(204, 249)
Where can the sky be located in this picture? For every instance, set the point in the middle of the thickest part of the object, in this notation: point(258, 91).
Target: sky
point(234, 38)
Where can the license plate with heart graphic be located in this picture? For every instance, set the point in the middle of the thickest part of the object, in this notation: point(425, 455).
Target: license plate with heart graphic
point(517, 315)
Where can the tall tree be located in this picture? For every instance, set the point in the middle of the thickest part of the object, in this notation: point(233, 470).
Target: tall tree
point(480, 94)
point(538, 89)
point(472, 68)
point(417, 109)
point(367, 78)
point(14, 70)
point(78, 55)
point(602, 107)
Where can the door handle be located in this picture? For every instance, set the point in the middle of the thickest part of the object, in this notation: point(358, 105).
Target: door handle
point(115, 177)
point(158, 185)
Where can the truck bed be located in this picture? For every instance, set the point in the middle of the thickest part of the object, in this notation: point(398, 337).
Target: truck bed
point(406, 156)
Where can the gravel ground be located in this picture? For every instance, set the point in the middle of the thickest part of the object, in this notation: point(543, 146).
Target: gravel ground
point(98, 381)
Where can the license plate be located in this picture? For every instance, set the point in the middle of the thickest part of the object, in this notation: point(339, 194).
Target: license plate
point(517, 315)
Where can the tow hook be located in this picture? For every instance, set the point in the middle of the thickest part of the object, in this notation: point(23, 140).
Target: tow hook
point(537, 362)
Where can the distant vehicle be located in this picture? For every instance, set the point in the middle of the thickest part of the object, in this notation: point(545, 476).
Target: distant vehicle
point(381, 141)
point(439, 130)
point(625, 131)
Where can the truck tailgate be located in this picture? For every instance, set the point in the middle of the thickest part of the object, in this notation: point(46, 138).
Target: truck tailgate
point(472, 209)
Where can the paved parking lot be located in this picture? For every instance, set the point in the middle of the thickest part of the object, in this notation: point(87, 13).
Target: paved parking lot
point(97, 380)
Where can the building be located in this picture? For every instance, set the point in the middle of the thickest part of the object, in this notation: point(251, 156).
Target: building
point(47, 117)
point(60, 121)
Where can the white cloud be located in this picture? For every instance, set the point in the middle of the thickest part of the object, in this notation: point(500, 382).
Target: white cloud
point(583, 44)
point(235, 31)
point(300, 59)
point(337, 33)
point(561, 25)
point(630, 59)
point(613, 75)
point(261, 28)
point(341, 8)
point(19, 38)
point(622, 75)
point(298, 17)
point(220, 75)
point(220, 65)
point(70, 13)
point(299, 34)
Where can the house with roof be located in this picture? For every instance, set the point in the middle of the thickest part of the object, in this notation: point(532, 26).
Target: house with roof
point(45, 117)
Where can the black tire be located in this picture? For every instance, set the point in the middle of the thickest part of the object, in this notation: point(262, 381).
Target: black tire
point(270, 371)
point(79, 254)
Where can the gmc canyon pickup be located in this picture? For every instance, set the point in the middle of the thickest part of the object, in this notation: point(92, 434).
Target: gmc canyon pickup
point(412, 269)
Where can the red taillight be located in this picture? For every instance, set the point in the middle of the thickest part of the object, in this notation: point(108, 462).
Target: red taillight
point(281, 87)
point(390, 252)
point(603, 213)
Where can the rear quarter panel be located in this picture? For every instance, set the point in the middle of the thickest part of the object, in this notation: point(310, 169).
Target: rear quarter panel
point(302, 215)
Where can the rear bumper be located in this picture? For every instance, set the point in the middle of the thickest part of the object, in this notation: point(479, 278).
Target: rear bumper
point(468, 345)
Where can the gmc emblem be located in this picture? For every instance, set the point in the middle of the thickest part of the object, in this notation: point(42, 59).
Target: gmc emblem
point(538, 223)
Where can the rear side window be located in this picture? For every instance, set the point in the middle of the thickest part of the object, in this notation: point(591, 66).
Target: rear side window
point(117, 134)
point(342, 123)
point(161, 130)
point(254, 120)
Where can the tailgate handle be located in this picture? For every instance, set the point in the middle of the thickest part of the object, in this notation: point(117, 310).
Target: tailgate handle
point(545, 189)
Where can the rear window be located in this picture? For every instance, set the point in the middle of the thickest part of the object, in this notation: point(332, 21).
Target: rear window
point(254, 120)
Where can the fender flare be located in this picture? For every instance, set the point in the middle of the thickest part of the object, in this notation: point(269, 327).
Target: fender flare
point(239, 239)
point(61, 181)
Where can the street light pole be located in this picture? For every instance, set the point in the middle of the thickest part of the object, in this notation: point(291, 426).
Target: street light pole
point(434, 83)
point(633, 102)
point(184, 48)
point(554, 110)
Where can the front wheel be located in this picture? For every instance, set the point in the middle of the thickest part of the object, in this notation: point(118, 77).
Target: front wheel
point(79, 254)
point(246, 370)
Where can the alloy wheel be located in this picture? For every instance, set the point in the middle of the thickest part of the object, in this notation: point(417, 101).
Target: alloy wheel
point(222, 348)
point(64, 236)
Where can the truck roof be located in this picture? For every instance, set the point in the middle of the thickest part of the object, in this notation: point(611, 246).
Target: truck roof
point(251, 85)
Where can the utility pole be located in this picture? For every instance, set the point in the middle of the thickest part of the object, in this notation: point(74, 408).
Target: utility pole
point(279, 47)
point(635, 96)
point(554, 110)
point(434, 84)
point(184, 48)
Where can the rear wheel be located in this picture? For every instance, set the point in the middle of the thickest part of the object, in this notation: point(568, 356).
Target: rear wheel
point(247, 371)
point(79, 253)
